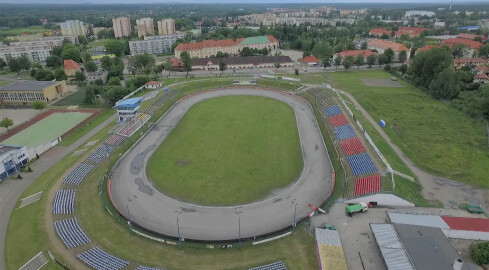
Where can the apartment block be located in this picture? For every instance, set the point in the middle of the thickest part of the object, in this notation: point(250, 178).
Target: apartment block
point(36, 50)
point(166, 27)
point(154, 44)
point(72, 28)
point(145, 27)
point(122, 27)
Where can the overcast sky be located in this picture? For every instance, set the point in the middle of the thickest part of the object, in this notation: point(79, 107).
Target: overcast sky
point(237, 1)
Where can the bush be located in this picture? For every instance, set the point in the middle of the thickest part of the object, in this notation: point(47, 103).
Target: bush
point(387, 67)
point(19, 176)
point(480, 252)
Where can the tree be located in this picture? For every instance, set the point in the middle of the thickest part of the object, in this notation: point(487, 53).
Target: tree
point(187, 64)
point(80, 77)
point(222, 67)
point(38, 105)
point(72, 52)
point(6, 123)
point(483, 51)
point(326, 62)
point(296, 71)
point(277, 65)
point(364, 46)
point(402, 56)
point(44, 75)
point(322, 50)
point(142, 62)
point(458, 50)
point(57, 51)
point(117, 47)
point(114, 81)
point(14, 65)
point(90, 66)
point(427, 64)
point(348, 61)
point(360, 60)
point(168, 67)
point(371, 60)
point(106, 63)
point(3, 64)
point(479, 39)
point(403, 68)
point(337, 61)
point(59, 74)
point(480, 252)
point(389, 53)
point(306, 54)
point(445, 85)
point(54, 61)
point(86, 56)
point(382, 59)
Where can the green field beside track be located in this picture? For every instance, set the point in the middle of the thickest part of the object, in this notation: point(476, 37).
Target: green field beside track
point(229, 150)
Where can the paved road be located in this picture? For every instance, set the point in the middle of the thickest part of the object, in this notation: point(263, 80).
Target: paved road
point(11, 190)
point(133, 193)
point(449, 192)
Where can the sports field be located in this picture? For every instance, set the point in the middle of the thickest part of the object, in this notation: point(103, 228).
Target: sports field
point(47, 129)
point(229, 150)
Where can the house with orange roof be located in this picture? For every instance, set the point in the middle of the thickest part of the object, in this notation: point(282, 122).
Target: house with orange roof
point(426, 48)
point(410, 31)
point(470, 45)
point(207, 48)
point(153, 85)
point(310, 61)
point(354, 53)
point(71, 67)
point(469, 62)
point(482, 69)
point(381, 45)
point(471, 36)
point(481, 78)
point(378, 32)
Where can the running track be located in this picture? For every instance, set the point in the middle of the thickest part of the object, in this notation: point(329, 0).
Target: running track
point(155, 211)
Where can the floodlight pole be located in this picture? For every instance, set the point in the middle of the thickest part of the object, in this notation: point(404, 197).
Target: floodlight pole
point(238, 212)
point(129, 214)
point(178, 212)
point(295, 210)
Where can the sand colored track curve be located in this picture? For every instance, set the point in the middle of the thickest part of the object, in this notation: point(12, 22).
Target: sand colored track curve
point(149, 208)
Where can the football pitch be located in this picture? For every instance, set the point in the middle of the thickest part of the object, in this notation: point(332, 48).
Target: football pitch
point(48, 129)
point(229, 150)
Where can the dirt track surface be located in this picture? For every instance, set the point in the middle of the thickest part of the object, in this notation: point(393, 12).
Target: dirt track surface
point(149, 208)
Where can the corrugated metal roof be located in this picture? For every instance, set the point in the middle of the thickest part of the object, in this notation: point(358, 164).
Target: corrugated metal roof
point(395, 256)
point(28, 85)
point(421, 220)
point(328, 237)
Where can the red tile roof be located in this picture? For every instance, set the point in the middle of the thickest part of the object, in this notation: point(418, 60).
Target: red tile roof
point(469, 60)
point(467, 224)
point(482, 68)
point(310, 59)
point(153, 83)
point(365, 53)
point(471, 36)
point(70, 64)
point(467, 42)
point(272, 38)
point(481, 76)
point(176, 62)
point(384, 44)
point(427, 48)
point(208, 43)
point(379, 31)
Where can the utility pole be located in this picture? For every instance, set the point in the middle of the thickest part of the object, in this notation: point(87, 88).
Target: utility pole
point(294, 202)
point(128, 213)
point(178, 212)
point(238, 212)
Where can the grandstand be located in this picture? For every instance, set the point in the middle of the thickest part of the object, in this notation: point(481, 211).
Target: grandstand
point(280, 265)
point(362, 164)
point(367, 185)
point(147, 268)
point(352, 146)
point(64, 202)
point(101, 260)
point(115, 140)
point(77, 174)
point(332, 111)
point(338, 120)
point(344, 132)
point(70, 233)
point(102, 152)
point(134, 125)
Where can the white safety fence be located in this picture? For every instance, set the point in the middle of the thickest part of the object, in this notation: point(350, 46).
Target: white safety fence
point(34, 151)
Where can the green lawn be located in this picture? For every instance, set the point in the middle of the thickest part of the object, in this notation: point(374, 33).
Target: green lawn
point(432, 134)
point(229, 150)
point(19, 31)
point(75, 98)
point(47, 129)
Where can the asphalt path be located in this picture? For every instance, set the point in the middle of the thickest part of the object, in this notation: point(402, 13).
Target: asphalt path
point(136, 198)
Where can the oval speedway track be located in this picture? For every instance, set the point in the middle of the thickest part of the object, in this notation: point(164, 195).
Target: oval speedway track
point(132, 191)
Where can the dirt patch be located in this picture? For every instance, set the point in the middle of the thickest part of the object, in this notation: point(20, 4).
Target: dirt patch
point(381, 83)
point(182, 162)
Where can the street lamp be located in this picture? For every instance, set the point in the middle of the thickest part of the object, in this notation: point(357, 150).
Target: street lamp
point(128, 213)
point(294, 202)
point(238, 212)
point(178, 212)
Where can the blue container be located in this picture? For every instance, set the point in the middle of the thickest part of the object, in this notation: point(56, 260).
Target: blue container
point(382, 123)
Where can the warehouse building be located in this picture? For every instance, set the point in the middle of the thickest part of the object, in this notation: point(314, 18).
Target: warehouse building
point(28, 91)
point(12, 159)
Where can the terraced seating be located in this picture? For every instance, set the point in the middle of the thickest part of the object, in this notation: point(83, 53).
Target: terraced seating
point(101, 153)
point(77, 174)
point(344, 132)
point(70, 233)
point(361, 164)
point(332, 111)
point(280, 265)
point(146, 268)
point(338, 120)
point(101, 260)
point(64, 202)
point(367, 185)
point(115, 140)
point(352, 146)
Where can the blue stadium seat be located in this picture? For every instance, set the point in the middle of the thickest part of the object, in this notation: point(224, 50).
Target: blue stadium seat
point(362, 164)
point(344, 132)
point(332, 111)
point(77, 174)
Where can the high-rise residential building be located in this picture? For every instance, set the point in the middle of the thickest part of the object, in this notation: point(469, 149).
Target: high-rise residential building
point(166, 27)
point(72, 28)
point(145, 27)
point(122, 27)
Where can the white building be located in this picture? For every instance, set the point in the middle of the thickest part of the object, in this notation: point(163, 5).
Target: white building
point(419, 13)
point(154, 44)
point(12, 158)
point(128, 109)
point(37, 50)
point(72, 28)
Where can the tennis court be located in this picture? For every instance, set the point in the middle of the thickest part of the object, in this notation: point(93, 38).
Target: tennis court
point(48, 129)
